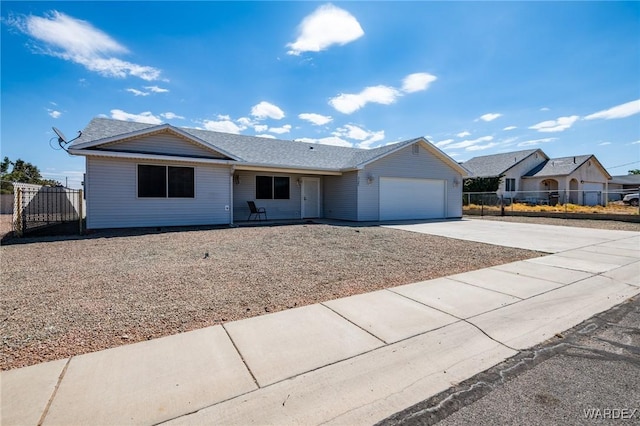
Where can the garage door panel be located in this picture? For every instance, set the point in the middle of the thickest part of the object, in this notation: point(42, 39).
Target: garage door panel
point(403, 198)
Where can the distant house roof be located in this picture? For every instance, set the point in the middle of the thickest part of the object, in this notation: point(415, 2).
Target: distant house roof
point(251, 149)
point(497, 164)
point(562, 166)
point(626, 179)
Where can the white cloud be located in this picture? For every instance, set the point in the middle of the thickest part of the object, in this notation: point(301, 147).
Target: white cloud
point(535, 142)
point(489, 116)
point(266, 135)
point(366, 137)
point(280, 130)
point(331, 140)
point(482, 147)
point(224, 126)
point(247, 122)
point(143, 117)
point(619, 111)
point(326, 26)
point(463, 134)
point(137, 92)
point(417, 82)
point(315, 119)
point(468, 143)
point(171, 116)
point(348, 103)
point(604, 144)
point(156, 89)
point(352, 132)
point(544, 109)
point(53, 113)
point(267, 110)
point(78, 41)
point(559, 125)
point(260, 127)
point(443, 143)
point(510, 128)
point(635, 143)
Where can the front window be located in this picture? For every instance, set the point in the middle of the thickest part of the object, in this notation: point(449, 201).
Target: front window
point(165, 181)
point(272, 188)
point(510, 184)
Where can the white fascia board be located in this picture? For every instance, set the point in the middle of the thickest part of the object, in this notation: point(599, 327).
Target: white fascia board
point(142, 156)
point(155, 129)
point(284, 169)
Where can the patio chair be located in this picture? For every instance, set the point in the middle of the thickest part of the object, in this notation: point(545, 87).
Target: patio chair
point(256, 212)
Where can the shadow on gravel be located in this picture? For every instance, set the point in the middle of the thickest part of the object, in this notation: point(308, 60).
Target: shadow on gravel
point(69, 231)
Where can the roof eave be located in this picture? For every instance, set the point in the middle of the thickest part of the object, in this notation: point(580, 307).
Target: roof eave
point(286, 169)
point(143, 156)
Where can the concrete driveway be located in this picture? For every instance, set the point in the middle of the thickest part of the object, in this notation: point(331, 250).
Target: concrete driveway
point(545, 238)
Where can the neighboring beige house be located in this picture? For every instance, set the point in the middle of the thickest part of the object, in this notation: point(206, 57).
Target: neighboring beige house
point(531, 175)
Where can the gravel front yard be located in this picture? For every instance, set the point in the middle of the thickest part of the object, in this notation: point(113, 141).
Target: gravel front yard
point(67, 297)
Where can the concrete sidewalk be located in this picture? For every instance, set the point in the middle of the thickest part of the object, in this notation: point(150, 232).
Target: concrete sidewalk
point(355, 360)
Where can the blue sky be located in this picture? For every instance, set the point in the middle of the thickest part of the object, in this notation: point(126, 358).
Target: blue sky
point(475, 78)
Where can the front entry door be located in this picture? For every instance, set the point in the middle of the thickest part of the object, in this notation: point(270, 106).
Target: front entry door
point(310, 197)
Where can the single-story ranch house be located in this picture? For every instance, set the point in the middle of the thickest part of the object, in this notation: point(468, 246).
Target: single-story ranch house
point(141, 175)
point(579, 179)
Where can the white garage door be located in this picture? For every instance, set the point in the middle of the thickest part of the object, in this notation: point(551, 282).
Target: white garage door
point(402, 198)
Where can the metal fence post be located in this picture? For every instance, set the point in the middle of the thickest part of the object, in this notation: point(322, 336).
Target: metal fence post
point(80, 210)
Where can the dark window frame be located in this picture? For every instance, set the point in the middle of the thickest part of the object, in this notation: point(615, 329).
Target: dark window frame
point(149, 186)
point(510, 185)
point(273, 187)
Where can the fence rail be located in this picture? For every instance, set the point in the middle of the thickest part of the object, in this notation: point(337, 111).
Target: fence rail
point(38, 206)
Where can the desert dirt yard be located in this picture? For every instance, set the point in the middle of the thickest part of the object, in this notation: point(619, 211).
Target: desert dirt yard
point(71, 295)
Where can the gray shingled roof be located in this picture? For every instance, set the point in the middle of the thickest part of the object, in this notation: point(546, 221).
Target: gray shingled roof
point(496, 164)
point(558, 166)
point(626, 179)
point(252, 149)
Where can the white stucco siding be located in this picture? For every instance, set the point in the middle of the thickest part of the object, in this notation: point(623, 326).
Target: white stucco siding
point(244, 189)
point(518, 170)
point(112, 198)
point(406, 164)
point(341, 196)
point(164, 143)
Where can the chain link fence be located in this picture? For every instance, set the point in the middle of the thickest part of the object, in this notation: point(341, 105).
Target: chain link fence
point(566, 202)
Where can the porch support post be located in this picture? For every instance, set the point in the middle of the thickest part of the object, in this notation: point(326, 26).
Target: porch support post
point(233, 170)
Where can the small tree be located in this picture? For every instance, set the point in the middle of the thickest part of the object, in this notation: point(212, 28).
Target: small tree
point(634, 172)
point(482, 184)
point(21, 172)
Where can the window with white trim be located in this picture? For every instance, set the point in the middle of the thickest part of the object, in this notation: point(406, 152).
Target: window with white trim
point(165, 181)
point(510, 184)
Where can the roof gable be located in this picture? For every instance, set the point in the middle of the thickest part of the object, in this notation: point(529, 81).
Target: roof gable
point(372, 155)
point(563, 166)
point(163, 142)
point(499, 164)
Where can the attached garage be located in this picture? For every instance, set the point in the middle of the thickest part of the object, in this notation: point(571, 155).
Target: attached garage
point(407, 198)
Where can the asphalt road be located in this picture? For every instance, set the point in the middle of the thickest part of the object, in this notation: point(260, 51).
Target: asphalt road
point(587, 375)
